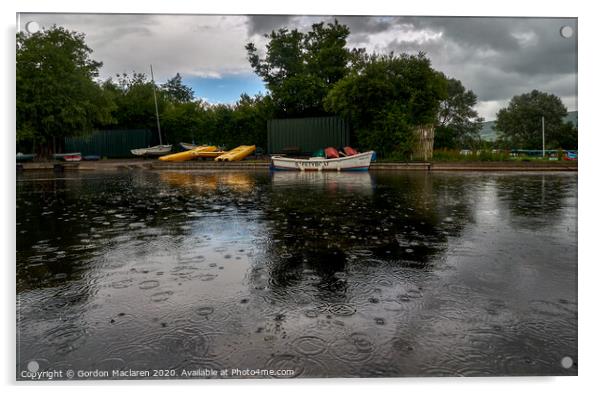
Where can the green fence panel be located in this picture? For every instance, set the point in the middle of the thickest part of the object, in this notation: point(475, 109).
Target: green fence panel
point(307, 134)
point(109, 143)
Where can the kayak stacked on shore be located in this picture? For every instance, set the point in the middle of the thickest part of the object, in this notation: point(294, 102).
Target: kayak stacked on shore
point(193, 153)
point(211, 152)
point(330, 159)
point(237, 154)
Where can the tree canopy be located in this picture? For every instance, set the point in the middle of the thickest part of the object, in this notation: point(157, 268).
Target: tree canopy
point(520, 124)
point(176, 91)
point(386, 96)
point(133, 96)
point(299, 68)
point(458, 123)
point(56, 92)
point(185, 119)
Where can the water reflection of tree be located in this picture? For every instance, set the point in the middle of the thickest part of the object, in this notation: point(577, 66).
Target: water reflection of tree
point(535, 201)
point(400, 219)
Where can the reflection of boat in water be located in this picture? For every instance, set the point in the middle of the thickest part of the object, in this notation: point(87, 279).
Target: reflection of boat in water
point(357, 162)
point(208, 182)
point(361, 182)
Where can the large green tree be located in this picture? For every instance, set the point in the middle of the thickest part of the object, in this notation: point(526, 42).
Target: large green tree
point(57, 95)
point(458, 124)
point(520, 124)
point(385, 97)
point(299, 69)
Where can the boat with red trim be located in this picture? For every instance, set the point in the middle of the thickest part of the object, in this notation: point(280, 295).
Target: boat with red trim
point(356, 162)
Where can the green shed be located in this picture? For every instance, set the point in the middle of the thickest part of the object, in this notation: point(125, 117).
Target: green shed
point(307, 135)
point(110, 143)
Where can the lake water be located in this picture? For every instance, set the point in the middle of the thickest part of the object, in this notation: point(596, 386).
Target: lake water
point(325, 275)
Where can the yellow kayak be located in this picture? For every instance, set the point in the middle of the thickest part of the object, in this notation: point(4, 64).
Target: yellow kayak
point(237, 154)
point(190, 154)
point(210, 155)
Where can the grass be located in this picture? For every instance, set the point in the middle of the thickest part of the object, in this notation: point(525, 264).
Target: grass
point(449, 155)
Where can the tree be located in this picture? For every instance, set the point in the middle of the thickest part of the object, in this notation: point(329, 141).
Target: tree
point(458, 123)
point(385, 97)
point(133, 95)
point(300, 69)
point(251, 115)
point(519, 125)
point(56, 92)
point(182, 122)
point(564, 137)
point(176, 91)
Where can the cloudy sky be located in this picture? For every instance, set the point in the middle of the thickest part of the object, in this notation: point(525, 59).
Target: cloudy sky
point(497, 58)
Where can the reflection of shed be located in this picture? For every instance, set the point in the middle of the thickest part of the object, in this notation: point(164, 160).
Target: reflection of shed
point(306, 135)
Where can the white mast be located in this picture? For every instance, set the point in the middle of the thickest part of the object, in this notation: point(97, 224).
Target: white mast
point(543, 137)
point(156, 106)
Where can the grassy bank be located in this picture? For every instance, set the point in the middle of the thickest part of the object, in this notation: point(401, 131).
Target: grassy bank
point(447, 155)
point(482, 156)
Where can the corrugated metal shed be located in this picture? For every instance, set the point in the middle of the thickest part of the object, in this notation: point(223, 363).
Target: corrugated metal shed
point(307, 134)
point(109, 143)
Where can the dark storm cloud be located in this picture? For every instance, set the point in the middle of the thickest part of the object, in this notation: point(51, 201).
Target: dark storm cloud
point(495, 57)
point(525, 45)
point(264, 24)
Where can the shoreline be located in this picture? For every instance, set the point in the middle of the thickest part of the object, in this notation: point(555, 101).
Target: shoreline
point(152, 164)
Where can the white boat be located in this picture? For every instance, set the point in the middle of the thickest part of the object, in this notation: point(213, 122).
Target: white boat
point(359, 162)
point(158, 150)
point(187, 146)
point(75, 156)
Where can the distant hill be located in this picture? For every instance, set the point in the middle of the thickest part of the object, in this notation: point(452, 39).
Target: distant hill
point(572, 117)
point(488, 134)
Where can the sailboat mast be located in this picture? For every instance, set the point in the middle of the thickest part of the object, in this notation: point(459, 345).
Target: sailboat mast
point(156, 106)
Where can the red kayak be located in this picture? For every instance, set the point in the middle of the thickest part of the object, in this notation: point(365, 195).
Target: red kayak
point(349, 151)
point(76, 156)
point(331, 153)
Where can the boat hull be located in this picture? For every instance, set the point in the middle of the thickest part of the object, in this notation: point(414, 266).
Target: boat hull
point(75, 156)
point(187, 146)
point(158, 150)
point(21, 157)
point(359, 162)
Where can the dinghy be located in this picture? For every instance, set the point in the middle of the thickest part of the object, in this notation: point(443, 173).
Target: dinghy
point(358, 162)
point(187, 146)
point(158, 150)
point(75, 156)
point(21, 157)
